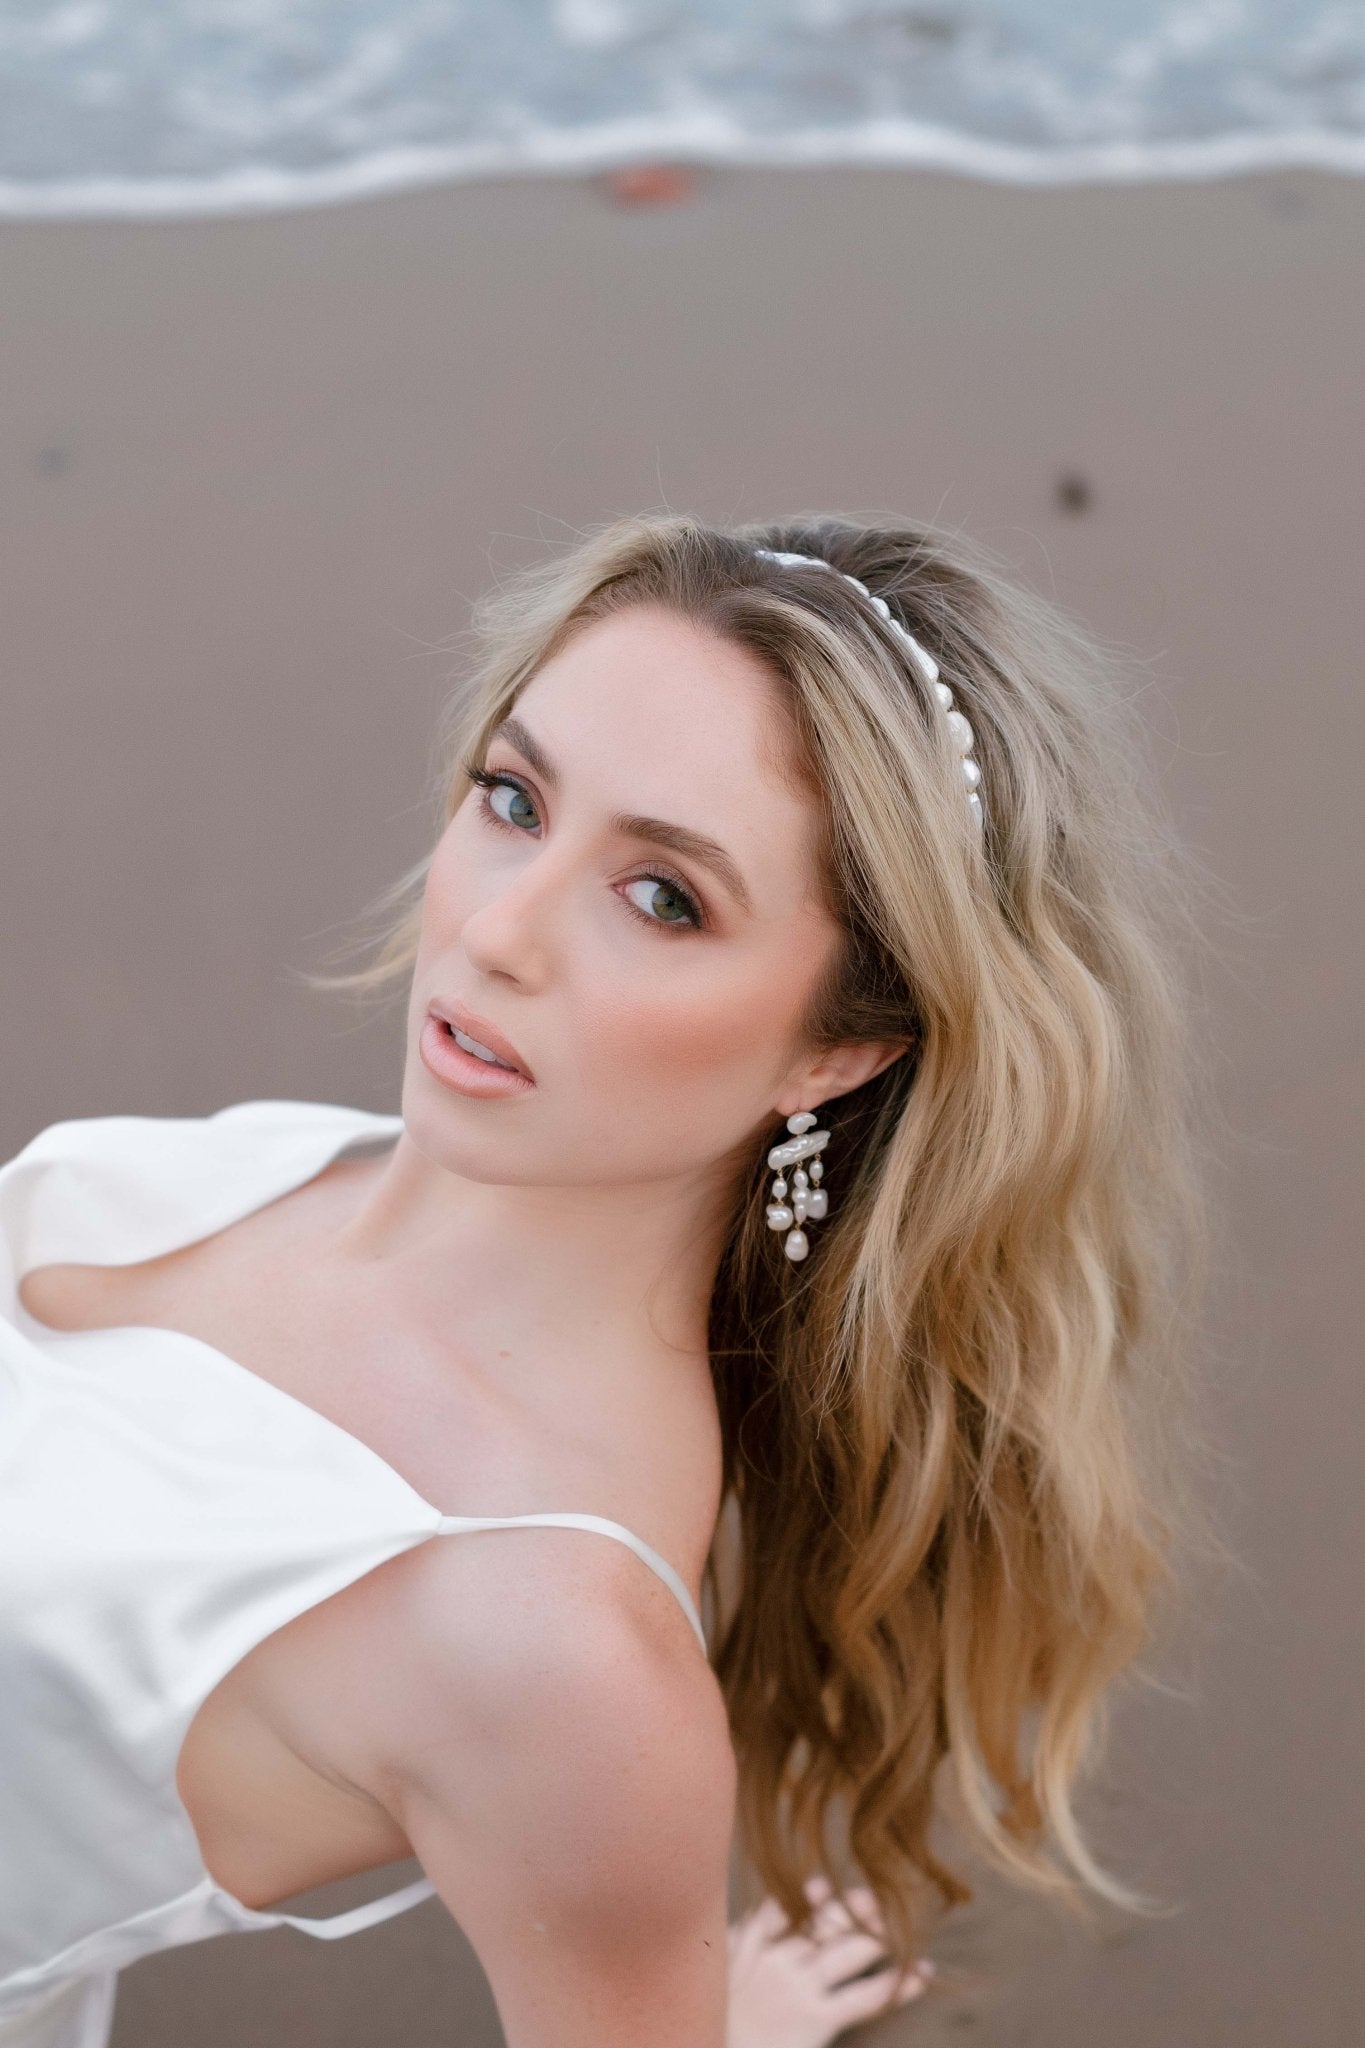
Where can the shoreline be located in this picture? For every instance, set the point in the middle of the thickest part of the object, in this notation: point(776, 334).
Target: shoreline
point(256, 189)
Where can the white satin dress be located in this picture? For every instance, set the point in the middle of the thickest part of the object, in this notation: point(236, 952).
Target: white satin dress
point(163, 1509)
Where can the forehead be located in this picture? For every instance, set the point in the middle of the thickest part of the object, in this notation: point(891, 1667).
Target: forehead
point(627, 664)
point(649, 712)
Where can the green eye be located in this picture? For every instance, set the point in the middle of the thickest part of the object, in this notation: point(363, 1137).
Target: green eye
point(664, 902)
point(491, 785)
point(520, 810)
point(667, 905)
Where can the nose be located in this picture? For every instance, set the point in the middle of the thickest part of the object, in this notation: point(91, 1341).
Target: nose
point(511, 932)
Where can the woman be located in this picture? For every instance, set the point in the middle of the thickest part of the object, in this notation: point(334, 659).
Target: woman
point(791, 1187)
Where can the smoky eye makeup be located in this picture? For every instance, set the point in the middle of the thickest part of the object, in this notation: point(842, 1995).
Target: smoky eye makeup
point(693, 917)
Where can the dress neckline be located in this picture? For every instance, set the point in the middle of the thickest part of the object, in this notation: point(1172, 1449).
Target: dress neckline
point(354, 1126)
point(337, 1128)
point(336, 1142)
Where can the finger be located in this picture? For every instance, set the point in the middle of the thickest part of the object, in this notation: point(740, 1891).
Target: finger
point(829, 1916)
point(770, 1923)
point(820, 1888)
point(767, 1922)
point(862, 2000)
point(833, 1961)
point(859, 1914)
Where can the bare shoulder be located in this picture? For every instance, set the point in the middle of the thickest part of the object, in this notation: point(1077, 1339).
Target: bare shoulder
point(68, 1297)
point(517, 1635)
point(564, 1740)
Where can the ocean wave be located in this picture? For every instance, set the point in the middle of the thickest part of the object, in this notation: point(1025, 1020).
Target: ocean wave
point(146, 108)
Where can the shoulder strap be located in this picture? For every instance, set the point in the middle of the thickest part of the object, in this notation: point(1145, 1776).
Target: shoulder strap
point(359, 1916)
point(457, 1524)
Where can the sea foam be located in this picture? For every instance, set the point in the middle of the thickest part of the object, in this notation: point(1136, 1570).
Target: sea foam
point(161, 107)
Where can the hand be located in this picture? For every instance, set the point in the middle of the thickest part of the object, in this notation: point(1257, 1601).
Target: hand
point(791, 1991)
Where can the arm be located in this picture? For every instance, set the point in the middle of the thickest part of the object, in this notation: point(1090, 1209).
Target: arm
point(572, 1803)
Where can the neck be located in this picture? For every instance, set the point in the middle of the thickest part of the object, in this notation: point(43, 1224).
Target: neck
point(606, 1271)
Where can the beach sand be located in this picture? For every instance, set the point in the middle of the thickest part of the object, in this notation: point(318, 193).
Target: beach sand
point(253, 473)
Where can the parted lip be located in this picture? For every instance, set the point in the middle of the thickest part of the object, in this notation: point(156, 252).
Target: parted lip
point(474, 1026)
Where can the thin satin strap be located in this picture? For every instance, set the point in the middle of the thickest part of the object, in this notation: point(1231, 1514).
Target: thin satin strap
point(454, 1524)
point(360, 1916)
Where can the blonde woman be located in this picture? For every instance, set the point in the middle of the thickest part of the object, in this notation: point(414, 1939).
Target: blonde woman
point(784, 1217)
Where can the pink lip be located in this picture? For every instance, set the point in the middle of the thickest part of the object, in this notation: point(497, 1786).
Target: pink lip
point(465, 1072)
point(487, 1034)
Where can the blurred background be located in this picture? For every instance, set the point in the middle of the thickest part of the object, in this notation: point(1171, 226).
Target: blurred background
point(314, 319)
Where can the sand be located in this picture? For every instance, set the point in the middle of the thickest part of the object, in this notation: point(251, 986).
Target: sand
point(253, 473)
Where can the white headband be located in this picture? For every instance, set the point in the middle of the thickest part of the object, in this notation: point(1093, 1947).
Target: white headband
point(957, 725)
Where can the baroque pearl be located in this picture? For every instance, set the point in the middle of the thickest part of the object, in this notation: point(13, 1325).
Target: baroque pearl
point(800, 1179)
point(803, 1121)
point(794, 1244)
point(793, 1149)
point(817, 1170)
point(961, 732)
point(815, 1205)
point(779, 1189)
point(928, 666)
point(799, 1209)
point(780, 1216)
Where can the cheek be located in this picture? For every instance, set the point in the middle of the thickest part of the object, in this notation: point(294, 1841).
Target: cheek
point(704, 1037)
point(452, 884)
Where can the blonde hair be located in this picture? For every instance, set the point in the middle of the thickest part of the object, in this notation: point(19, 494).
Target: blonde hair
point(948, 1435)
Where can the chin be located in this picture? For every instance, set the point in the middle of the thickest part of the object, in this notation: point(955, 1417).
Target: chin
point(458, 1134)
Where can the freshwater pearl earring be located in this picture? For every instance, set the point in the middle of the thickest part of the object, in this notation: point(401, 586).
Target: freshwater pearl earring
point(808, 1199)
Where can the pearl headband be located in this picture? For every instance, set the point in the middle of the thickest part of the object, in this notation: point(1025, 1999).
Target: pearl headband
point(958, 727)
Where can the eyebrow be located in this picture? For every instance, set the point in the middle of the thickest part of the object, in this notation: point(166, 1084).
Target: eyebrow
point(632, 824)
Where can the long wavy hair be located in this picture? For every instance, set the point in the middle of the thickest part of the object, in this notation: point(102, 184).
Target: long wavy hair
point(949, 1434)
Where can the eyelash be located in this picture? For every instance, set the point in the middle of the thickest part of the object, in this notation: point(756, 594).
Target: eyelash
point(488, 781)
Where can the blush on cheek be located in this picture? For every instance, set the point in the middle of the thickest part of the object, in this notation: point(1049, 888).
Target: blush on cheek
point(705, 1063)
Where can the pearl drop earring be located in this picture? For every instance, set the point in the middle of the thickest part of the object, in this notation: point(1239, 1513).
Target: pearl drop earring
point(808, 1199)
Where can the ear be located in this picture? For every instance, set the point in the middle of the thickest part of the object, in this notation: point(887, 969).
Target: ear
point(839, 1070)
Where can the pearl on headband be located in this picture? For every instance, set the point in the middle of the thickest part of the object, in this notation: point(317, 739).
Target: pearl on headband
point(960, 730)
